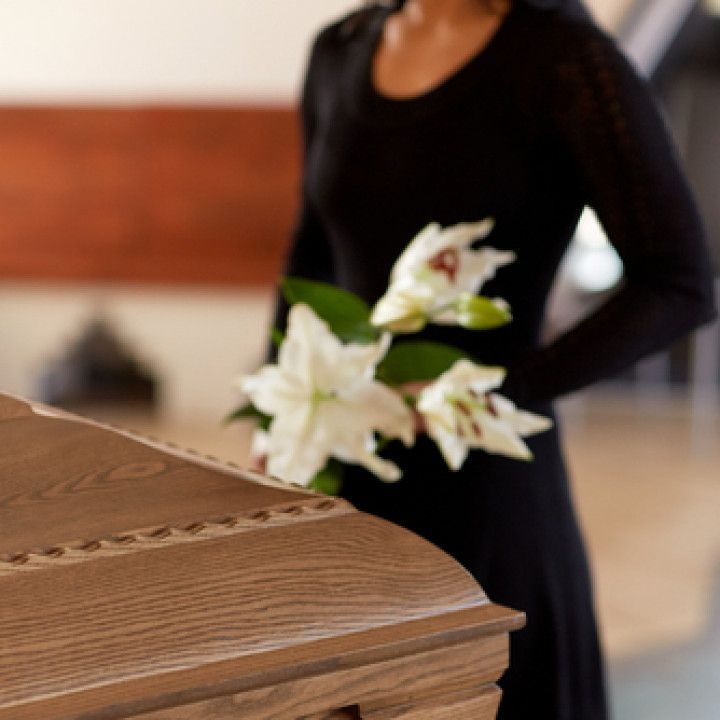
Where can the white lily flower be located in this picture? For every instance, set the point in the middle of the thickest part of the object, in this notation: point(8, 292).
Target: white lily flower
point(435, 270)
point(259, 443)
point(461, 413)
point(325, 402)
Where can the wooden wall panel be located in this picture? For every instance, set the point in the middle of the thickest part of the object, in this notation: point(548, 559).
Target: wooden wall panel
point(154, 195)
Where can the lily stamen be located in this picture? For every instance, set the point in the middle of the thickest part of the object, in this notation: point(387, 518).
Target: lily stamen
point(446, 261)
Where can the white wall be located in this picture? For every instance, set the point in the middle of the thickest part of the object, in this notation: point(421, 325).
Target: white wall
point(155, 50)
point(166, 50)
point(195, 341)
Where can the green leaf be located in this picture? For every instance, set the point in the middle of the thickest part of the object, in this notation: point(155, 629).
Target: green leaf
point(347, 314)
point(417, 360)
point(477, 312)
point(249, 412)
point(329, 480)
point(277, 337)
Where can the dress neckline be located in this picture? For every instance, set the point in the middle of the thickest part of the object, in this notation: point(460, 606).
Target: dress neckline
point(373, 100)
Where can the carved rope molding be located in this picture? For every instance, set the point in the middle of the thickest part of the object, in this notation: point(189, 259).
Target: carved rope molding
point(134, 541)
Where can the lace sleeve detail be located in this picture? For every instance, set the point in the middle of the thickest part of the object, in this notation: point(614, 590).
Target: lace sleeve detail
point(618, 149)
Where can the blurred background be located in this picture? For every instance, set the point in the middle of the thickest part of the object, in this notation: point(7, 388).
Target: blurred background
point(148, 170)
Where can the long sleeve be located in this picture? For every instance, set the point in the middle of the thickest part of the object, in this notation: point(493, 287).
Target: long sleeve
point(617, 146)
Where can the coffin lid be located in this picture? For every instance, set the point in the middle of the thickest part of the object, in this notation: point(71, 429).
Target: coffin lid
point(126, 563)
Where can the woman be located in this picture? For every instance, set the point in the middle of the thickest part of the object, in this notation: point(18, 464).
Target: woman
point(455, 110)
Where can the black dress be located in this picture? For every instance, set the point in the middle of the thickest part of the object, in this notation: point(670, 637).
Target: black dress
point(548, 118)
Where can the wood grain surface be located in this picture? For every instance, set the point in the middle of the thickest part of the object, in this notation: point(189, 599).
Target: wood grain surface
point(473, 703)
point(293, 604)
point(66, 481)
point(442, 680)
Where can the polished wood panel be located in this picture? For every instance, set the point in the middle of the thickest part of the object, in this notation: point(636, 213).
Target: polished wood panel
point(424, 683)
point(288, 605)
point(155, 195)
point(475, 703)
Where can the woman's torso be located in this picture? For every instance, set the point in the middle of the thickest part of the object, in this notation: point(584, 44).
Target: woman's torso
point(480, 144)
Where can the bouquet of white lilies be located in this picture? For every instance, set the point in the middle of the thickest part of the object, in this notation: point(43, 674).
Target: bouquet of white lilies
point(340, 388)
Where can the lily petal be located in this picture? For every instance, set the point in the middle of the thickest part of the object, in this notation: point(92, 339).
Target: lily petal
point(270, 389)
point(309, 347)
point(464, 234)
point(479, 266)
point(347, 438)
point(499, 438)
point(358, 454)
point(384, 410)
point(523, 422)
point(479, 378)
point(295, 458)
point(358, 363)
point(420, 249)
point(452, 447)
point(404, 307)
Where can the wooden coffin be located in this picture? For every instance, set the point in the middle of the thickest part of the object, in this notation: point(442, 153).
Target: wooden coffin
point(139, 581)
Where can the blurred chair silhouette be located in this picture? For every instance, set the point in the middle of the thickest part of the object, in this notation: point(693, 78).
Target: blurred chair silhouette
point(98, 369)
